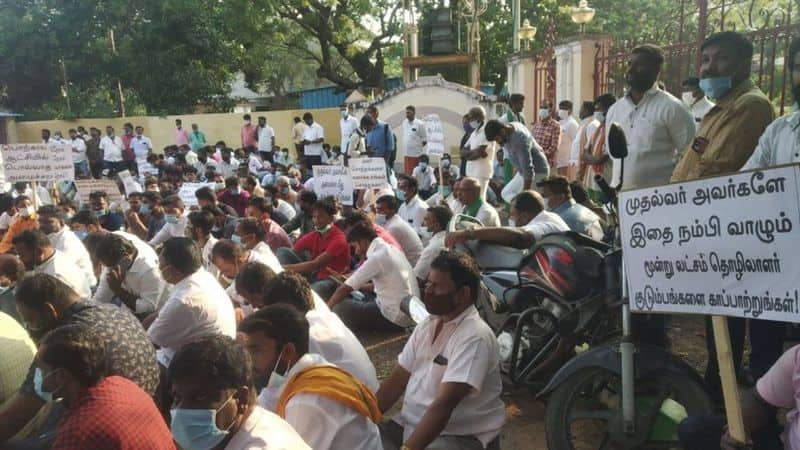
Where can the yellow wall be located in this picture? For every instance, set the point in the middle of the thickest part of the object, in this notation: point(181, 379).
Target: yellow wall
point(217, 127)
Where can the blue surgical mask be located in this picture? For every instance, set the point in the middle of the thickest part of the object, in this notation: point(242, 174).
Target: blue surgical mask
point(401, 196)
point(544, 113)
point(446, 191)
point(600, 116)
point(144, 209)
point(171, 218)
point(285, 190)
point(99, 213)
point(236, 239)
point(82, 234)
point(474, 124)
point(38, 380)
point(423, 165)
point(716, 87)
point(196, 429)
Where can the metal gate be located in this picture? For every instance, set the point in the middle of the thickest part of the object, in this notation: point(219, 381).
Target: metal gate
point(544, 72)
point(769, 28)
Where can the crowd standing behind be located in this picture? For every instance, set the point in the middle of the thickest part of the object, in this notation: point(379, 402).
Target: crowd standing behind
point(227, 318)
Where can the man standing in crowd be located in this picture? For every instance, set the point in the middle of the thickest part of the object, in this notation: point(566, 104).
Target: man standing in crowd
point(595, 159)
point(514, 112)
point(112, 146)
point(478, 151)
point(348, 124)
point(197, 139)
point(569, 132)
point(94, 153)
point(215, 374)
point(449, 369)
point(142, 146)
point(415, 138)
point(586, 128)
point(181, 135)
point(547, 133)
point(658, 126)
point(247, 134)
point(558, 198)
point(380, 140)
point(298, 130)
point(696, 100)
point(519, 148)
point(266, 139)
point(313, 136)
point(726, 139)
point(78, 154)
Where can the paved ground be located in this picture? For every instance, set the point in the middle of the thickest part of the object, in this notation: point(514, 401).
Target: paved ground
point(524, 429)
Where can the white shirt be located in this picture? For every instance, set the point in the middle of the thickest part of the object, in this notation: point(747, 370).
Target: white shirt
point(254, 164)
point(429, 253)
point(452, 202)
point(264, 430)
point(587, 128)
point(699, 110)
point(228, 169)
point(425, 178)
point(5, 221)
point(64, 268)
point(405, 236)
point(414, 136)
point(480, 168)
point(465, 351)
point(658, 129)
point(142, 279)
point(413, 212)
point(265, 136)
point(286, 209)
point(356, 144)
point(487, 214)
point(197, 306)
point(325, 423)
point(312, 133)
point(329, 336)
point(347, 125)
point(141, 146)
point(66, 242)
point(569, 133)
point(780, 144)
point(544, 223)
point(170, 230)
point(392, 276)
point(263, 254)
point(78, 150)
point(112, 148)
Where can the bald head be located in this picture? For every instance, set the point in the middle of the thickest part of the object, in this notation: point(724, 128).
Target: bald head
point(525, 206)
point(477, 113)
point(470, 190)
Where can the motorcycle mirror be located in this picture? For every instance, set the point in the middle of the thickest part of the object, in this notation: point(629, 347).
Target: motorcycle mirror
point(617, 143)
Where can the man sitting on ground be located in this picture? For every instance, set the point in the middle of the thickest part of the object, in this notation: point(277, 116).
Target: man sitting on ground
point(274, 236)
point(250, 234)
point(52, 223)
point(386, 207)
point(474, 205)
point(175, 218)
point(413, 208)
point(199, 228)
point(329, 407)
point(436, 220)
point(558, 196)
point(39, 256)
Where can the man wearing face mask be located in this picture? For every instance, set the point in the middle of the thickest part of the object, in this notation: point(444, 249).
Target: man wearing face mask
point(445, 195)
point(425, 176)
point(447, 166)
point(234, 196)
point(520, 148)
point(199, 228)
point(547, 133)
point(197, 305)
point(657, 125)
point(475, 206)
point(274, 236)
point(729, 132)
point(449, 369)
point(45, 303)
point(11, 272)
point(569, 132)
point(478, 151)
point(558, 197)
point(206, 198)
point(229, 258)
point(348, 124)
point(696, 100)
point(215, 401)
point(413, 208)
point(25, 219)
point(37, 253)
point(595, 158)
point(386, 216)
point(248, 132)
point(302, 222)
point(52, 223)
point(249, 233)
point(586, 128)
point(327, 406)
point(415, 138)
point(110, 220)
point(229, 165)
point(436, 220)
point(130, 275)
point(71, 365)
point(175, 225)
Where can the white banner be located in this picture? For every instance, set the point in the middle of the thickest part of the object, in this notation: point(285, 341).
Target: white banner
point(333, 181)
point(129, 183)
point(368, 173)
point(110, 187)
point(435, 135)
point(37, 162)
point(187, 190)
point(727, 245)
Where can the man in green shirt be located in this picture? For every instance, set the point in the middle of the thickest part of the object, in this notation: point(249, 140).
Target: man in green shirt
point(197, 139)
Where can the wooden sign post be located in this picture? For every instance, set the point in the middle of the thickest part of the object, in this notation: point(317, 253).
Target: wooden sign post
point(727, 376)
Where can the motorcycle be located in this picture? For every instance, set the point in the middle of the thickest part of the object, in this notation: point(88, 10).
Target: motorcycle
point(622, 394)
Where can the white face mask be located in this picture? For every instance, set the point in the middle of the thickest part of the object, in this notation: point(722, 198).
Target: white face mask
point(688, 98)
point(277, 380)
point(600, 116)
point(563, 114)
point(474, 124)
point(380, 219)
point(26, 212)
point(512, 223)
point(423, 165)
point(544, 113)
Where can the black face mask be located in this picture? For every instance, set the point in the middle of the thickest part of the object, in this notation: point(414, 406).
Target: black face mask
point(640, 82)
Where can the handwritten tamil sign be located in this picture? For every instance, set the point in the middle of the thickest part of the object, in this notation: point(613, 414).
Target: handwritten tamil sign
point(187, 190)
point(433, 125)
point(37, 162)
point(368, 173)
point(720, 246)
point(333, 181)
point(110, 187)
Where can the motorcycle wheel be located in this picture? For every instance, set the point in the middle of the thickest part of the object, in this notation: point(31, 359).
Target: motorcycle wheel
point(585, 411)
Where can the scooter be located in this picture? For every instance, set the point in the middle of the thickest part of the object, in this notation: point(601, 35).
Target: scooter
point(626, 395)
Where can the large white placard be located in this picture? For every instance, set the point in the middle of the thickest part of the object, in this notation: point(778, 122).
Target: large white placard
point(187, 190)
point(110, 187)
point(433, 125)
point(333, 181)
point(37, 162)
point(368, 173)
point(727, 245)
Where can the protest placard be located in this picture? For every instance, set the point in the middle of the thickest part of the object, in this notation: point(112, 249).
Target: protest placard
point(37, 162)
point(110, 187)
point(718, 246)
point(368, 173)
point(129, 183)
point(187, 190)
point(333, 181)
point(433, 126)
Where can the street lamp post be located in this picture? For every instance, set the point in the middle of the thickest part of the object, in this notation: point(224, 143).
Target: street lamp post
point(527, 33)
point(582, 14)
